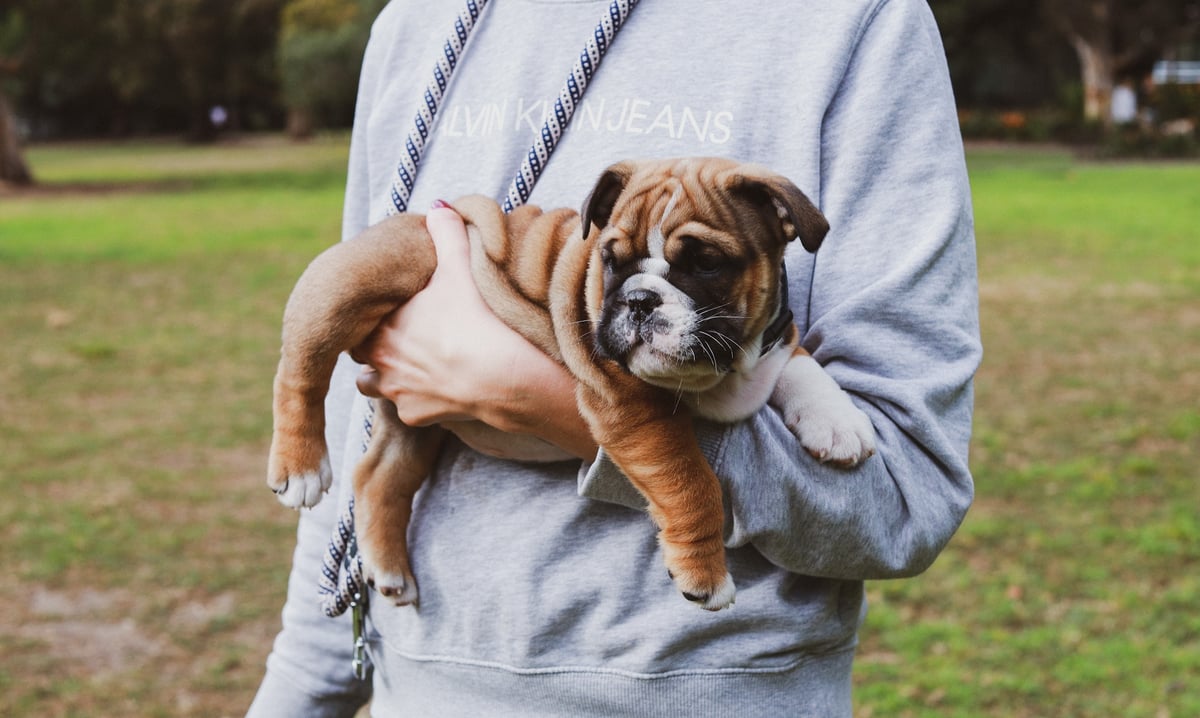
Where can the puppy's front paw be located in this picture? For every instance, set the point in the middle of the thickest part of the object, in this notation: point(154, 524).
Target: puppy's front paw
point(710, 598)
point(700, 575)
point(822, 416)
point(301, 488)
point(837, 433)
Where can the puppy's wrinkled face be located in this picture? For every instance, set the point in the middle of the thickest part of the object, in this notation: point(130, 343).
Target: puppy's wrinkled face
point(689, 254)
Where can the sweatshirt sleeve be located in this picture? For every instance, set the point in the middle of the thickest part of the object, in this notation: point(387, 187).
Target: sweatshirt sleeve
point(309, 667)
point(892, 315)
point(356, 211)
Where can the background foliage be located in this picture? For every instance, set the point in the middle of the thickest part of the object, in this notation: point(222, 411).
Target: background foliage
point(118, 67)
point(320, 46)
point(114, 67)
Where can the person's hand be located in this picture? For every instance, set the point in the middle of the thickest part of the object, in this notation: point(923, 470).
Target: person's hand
point(425, 355)
point(445, 357)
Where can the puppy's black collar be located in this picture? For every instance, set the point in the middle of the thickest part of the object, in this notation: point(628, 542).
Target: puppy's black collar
point(775, 331)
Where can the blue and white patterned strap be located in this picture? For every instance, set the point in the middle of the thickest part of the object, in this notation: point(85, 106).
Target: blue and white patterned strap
point(341, 582)
point(564, 106)
point(414, 145)
point(552, 131)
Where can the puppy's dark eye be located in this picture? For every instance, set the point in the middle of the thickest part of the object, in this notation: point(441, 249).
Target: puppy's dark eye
point(700, 258)
point(706, 262)
point(608, 258)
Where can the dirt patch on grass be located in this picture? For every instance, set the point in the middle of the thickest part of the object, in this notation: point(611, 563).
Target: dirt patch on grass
point(86, 633)
point(91, 652)
point(177, 614)
point(94, 650)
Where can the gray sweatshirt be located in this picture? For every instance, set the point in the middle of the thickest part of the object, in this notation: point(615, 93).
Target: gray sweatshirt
point(542, 588)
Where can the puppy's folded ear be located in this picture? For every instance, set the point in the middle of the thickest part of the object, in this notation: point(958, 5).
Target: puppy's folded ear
point(798, 216)
point(598, 207)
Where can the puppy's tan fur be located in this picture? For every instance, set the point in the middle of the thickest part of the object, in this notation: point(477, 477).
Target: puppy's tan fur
point(542, 273)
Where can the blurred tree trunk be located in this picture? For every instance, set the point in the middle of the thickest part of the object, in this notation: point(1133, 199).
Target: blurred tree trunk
point(299, 123)
point(13, 168)
point(1097, 72)
point(1087, 24)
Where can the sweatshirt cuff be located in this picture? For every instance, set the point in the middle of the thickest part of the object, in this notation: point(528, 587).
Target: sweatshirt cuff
point(603, 481)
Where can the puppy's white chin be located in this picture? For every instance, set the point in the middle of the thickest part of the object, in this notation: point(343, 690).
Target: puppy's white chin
point(668, 372)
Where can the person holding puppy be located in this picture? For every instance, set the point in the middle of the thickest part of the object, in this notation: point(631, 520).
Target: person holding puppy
point(541, 586)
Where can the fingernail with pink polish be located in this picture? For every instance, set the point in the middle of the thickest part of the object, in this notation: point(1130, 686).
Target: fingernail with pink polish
point(440, 204)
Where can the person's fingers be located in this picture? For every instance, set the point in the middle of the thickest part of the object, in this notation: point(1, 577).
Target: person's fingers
point(449, 235)
point(368, 383)
point(364, 352)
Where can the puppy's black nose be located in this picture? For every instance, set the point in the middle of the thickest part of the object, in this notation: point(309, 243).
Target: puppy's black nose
point(641, 303)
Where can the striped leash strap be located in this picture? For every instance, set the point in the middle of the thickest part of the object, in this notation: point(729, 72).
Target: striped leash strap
point(566, 102)
point(341, 583)
point(414, 145)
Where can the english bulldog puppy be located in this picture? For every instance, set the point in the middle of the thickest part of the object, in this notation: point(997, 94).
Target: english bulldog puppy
point(665, 298)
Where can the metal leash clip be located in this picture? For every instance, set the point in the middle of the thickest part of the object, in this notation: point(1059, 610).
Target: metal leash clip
point(358, 620)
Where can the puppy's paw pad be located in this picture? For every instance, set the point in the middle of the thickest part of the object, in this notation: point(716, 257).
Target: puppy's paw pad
point(305, 489)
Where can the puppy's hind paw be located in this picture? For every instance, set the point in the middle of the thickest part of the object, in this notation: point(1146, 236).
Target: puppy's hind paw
point(399, 588)
point(305, 489)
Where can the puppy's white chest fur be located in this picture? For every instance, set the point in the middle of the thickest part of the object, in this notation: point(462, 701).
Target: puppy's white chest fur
point(741, 393)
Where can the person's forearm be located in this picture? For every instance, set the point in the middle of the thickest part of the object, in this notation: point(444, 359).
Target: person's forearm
point(477, 369)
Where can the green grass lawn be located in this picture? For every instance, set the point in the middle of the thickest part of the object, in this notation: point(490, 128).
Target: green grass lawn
point(140, 295)
point(1072, 587)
